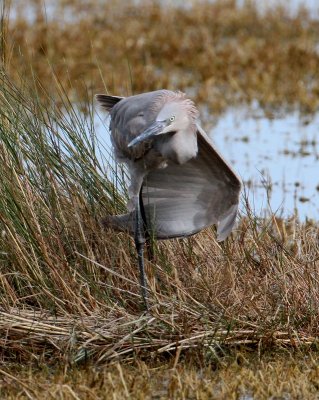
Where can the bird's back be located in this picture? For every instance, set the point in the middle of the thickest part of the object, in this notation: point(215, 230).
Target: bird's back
point(130, 117)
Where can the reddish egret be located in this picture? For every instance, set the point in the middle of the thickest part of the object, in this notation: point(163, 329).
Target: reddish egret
point(179, 183)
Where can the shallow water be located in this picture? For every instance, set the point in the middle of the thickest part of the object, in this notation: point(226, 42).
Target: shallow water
point(277, 158)
point(53, 12)
point(292, 5)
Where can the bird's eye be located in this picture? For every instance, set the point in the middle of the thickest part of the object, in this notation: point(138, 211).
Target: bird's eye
point(172, 118)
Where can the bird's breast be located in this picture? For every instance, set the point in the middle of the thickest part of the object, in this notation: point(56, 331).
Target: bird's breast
point(179, 147)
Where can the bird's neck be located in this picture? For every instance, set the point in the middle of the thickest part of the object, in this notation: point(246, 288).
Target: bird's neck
point(179, 147)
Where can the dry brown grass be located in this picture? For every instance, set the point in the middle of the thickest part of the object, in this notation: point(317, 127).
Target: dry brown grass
point(69, 291)
point(241, 376)
point(259, 289)
point(218, 52)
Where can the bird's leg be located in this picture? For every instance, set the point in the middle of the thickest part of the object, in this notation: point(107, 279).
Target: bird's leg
point(140, 240)
point(148, 240)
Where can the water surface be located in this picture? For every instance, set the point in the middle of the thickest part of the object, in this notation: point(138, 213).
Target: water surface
point(277, 158)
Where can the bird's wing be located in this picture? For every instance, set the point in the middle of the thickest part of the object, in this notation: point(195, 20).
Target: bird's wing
point(181, 200)
point(108, 102)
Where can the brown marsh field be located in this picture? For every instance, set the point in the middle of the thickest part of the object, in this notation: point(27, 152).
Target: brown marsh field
point(233, 320)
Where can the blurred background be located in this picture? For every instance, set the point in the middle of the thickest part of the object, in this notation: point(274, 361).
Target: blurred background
point(252, 68)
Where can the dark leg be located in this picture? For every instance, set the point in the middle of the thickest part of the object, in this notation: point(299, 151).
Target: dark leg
point(148, 240)
point(139, 243)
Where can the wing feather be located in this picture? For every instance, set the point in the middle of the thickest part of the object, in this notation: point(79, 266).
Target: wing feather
point(181, 200)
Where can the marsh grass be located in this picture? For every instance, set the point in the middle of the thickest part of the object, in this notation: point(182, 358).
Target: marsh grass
point(70, 291)
point(219, 52)
point(240, 376)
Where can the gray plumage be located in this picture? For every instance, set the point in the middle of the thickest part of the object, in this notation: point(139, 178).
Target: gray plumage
point(179, 183)
point(187, 185)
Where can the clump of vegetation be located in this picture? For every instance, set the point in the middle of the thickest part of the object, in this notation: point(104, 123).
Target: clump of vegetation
point(69, 290)
point(235, 376)
point(64, 279)
point(218, 51)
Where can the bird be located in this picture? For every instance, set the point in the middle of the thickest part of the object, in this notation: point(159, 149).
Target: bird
point(179, 183)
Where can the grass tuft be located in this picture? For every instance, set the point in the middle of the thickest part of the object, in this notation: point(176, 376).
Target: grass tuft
point(71, 290)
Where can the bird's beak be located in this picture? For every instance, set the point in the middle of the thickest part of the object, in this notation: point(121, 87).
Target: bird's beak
point(156, 128)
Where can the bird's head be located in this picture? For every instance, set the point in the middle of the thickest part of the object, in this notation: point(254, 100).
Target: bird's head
point(173, 117)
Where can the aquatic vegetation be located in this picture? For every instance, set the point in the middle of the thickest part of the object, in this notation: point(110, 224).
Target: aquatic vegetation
point(219, 52)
